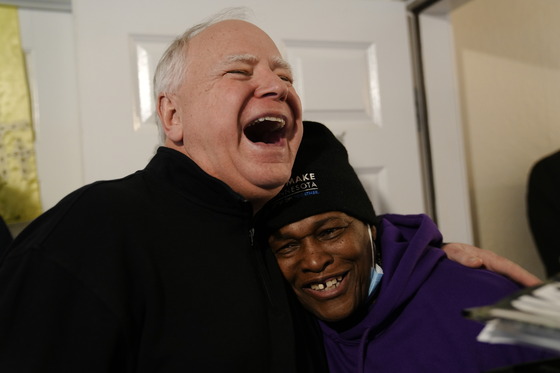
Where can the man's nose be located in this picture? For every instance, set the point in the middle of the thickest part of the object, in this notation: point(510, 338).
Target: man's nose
point(273, 86)
point(316, 259)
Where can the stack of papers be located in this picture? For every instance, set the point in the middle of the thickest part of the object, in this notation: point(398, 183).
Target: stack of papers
point(531, 317)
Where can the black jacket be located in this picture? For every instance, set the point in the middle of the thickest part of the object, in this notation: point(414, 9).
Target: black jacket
point(543, 210)
point(5, 235)
point(155, 272)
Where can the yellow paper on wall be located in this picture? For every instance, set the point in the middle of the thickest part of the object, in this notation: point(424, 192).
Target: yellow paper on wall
point(19, 185)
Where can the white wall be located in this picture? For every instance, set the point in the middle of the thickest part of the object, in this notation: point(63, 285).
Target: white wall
point(508, 64)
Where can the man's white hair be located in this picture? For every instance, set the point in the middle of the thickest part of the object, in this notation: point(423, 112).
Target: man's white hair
point(171, 68)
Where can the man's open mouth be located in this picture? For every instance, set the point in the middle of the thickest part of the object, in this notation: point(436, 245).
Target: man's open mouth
point(268, 130)
point(327, 285)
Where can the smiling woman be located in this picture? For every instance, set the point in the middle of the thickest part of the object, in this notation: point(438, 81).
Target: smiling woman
point(327, 260)
point(325, 251)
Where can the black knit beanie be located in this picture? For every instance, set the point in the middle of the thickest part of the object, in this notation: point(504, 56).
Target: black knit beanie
point(322, 180)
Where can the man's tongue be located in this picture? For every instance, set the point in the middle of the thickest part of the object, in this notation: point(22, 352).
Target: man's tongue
point(264, 130)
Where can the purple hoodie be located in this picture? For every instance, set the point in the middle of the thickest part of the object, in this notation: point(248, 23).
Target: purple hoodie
point(416, 324)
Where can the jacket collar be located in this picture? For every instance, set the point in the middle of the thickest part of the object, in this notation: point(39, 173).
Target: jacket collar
point(189, 180)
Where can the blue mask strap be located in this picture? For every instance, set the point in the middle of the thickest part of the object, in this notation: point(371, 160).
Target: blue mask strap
point(376, 270)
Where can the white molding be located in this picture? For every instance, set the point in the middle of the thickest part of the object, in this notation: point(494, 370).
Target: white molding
point(56, 5)
point(449, 168)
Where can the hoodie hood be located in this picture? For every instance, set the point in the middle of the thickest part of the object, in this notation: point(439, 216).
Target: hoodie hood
point(410, 249)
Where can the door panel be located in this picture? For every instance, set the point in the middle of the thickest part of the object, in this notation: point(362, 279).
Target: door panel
point(48, 44)
point(352, 69)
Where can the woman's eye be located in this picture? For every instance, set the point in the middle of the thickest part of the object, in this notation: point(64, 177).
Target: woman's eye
point(286, 249)
point(330, 233)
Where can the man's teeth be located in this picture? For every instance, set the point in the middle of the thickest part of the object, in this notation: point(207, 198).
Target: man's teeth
point(331, 284)
point(281, 121)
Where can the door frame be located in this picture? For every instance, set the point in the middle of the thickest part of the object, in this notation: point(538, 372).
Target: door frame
point(439, 117)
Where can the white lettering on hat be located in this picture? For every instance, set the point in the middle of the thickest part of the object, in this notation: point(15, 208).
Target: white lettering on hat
point(299, 186)
point(301, 178)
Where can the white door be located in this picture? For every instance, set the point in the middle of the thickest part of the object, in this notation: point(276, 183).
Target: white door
point(351, 62)
point(48, 43)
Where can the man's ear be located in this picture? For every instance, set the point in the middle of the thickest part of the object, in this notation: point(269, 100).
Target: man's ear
point(170, 118)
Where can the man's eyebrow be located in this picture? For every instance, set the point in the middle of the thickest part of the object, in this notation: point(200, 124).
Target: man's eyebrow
point(277, 62)
point(247, 58)
point(281, 63)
